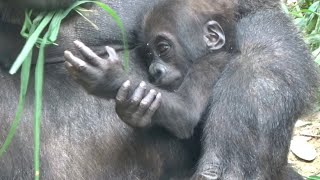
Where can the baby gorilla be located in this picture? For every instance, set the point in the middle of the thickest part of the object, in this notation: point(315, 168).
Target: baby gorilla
point(186, 61)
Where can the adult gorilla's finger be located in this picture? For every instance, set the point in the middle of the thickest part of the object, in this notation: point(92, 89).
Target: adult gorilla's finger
point(123, 92)
point(113, 56)
point(92, 57)
point(137, 95)
point(76, 62)
point(153, 107)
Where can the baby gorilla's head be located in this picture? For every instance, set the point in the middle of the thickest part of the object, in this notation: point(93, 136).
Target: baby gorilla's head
point(175, 35)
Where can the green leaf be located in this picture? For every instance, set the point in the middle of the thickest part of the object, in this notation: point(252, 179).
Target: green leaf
point(313, 178)
point(120, 25)
point(313, 39)
point(314, 7)
point(25, 72)
point(30, 43)
point(88, 20)
point(39, 74)
point(32, 30)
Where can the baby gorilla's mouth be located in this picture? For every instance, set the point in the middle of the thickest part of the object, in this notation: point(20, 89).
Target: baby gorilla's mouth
point(168, 84)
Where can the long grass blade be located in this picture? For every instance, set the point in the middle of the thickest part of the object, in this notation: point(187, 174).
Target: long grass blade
point(25, 73)
point(30, 43)
point(32, 31)
point(39, 75)
point(110, 11)
point(24, 77)
point(120, 25)
point(88, 20)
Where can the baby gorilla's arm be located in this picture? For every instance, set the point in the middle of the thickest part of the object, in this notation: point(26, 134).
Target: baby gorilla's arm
point(179, 111)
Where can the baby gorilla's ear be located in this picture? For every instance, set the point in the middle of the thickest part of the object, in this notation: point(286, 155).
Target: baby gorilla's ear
point(214, 35)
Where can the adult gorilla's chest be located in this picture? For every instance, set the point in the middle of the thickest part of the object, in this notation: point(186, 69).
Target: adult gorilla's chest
point(82, 138)
point(108, 33)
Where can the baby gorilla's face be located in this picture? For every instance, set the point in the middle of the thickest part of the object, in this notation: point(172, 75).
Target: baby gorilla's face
point(166, 61)
point(170, 49)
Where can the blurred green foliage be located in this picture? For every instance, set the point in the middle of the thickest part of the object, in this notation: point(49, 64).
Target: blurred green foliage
point(306, 14)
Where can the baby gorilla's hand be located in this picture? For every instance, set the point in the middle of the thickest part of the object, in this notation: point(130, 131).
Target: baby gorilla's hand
point(137, 110)
point(100, 77)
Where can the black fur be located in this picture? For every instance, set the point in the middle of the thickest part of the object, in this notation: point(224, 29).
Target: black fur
point(255, 103)
point(82, 138)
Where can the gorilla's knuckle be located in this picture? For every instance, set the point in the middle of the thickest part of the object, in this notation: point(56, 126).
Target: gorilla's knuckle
point(134, 101)
point(151, 109)
point(143, 123)
point(210, 175)
point(114, 59)
point(144, 104)
point(120, 100)
point(82, 68)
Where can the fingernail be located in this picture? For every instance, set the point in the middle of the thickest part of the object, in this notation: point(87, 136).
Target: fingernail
point(67, 64)
point(67, 53)
point(77, 42)
point(142, 84)
point(158, 95)
point(111, 51)
point(126, 84)
point(152, 91)
point(82, 65)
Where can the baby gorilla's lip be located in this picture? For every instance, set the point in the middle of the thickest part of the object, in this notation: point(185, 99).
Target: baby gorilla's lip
point(171, 85)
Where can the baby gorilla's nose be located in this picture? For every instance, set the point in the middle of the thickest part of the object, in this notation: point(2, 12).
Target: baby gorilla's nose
point(157, 71)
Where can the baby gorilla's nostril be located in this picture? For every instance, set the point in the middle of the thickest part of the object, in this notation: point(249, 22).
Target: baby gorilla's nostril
point(157, 71)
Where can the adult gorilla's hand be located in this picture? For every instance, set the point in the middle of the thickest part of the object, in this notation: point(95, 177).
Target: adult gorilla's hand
point(100, 77)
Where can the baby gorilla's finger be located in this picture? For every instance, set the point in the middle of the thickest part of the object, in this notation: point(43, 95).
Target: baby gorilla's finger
point(137, 95)
point(146, 101)
point(70, 69)
point(76, 63)
point(68, 65)
point(92, 57)
point(153, 107)
point(123, 92)
point(113, 56)
point(83, 72)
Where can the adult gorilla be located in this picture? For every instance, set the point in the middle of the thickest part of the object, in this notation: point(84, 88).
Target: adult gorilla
point(82, 137)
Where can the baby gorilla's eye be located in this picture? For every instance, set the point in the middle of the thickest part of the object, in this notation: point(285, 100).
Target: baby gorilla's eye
point(163, 48)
